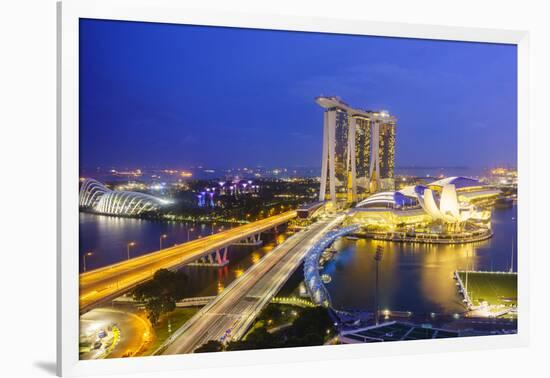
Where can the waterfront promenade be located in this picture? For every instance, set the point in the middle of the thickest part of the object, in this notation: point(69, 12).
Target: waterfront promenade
point(459, 238)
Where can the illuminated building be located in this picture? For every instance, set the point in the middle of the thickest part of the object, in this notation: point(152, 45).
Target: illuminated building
point(362, 150)
point(90, 193)
point(386, 149)
point(503, 177)
point(450, 201)
point(389, 209)
point(97, 197)
point(341, 148)
point(358, 151)
point(468, 190)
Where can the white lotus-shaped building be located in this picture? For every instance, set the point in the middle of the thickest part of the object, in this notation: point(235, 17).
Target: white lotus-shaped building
point(447, 208)
point(451, 200)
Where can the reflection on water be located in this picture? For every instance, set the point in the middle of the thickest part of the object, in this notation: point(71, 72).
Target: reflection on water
point(413, 277)
point(107, 238)
point(416, 277)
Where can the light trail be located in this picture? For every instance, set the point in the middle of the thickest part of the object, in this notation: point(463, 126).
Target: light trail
point(106, 283)
point(240, 303)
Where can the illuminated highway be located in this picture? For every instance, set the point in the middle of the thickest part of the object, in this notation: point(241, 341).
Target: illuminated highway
point(111, 281)
point(238, 305)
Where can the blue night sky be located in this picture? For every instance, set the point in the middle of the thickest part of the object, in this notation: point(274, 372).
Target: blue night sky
point(173, 96)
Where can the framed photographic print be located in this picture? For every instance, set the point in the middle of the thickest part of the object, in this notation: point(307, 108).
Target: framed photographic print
point(236, 188)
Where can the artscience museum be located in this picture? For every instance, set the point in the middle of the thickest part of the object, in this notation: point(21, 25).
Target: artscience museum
point(445, 209)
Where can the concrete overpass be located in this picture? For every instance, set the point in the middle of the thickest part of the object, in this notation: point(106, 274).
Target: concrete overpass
point(232, 312)
point(109, 282)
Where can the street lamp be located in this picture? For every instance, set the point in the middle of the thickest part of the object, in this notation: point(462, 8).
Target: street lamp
point(163, 236)
point(131, 244)
point(84, 260)
point(377, 258)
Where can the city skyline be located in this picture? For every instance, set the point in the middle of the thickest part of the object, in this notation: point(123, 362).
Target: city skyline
point(210, 259)
point(142, 104)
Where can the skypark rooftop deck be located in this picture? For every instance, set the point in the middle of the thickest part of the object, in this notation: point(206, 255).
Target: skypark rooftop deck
point(335, 102)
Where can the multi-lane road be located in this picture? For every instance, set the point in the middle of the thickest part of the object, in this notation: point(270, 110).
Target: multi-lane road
point(111, 281)
point(234, 310)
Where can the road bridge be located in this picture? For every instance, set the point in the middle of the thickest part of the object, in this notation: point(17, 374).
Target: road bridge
point(109, 282)
point(234, 310)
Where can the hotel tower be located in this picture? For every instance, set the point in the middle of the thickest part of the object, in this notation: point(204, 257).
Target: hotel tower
point(358, 151)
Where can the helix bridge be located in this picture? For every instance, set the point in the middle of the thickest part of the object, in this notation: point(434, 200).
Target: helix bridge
point(312, 278)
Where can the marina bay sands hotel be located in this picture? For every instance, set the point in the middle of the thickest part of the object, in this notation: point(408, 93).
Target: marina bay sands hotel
point(358, 151)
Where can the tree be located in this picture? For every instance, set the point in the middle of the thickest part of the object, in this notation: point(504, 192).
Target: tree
point(210, 346)
point(261, 338)
point(312, 321)
point(240, 345)
point(158, 306)
point(161, 293)
point(270, 312)
point(257, 339)
point(308, 329)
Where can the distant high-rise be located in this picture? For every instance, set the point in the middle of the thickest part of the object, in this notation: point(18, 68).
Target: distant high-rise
point(358, 150)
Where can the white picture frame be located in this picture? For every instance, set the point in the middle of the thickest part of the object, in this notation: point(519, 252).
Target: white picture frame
point(172, 11)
